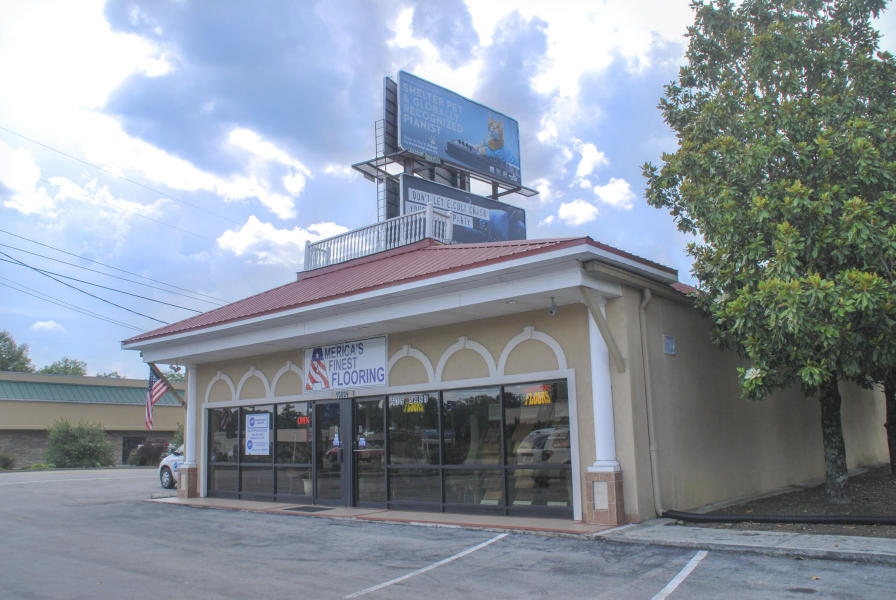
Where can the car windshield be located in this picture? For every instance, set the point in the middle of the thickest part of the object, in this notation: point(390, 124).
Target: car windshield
point(533, 440)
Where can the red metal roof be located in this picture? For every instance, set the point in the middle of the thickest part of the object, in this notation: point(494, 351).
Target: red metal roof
point(414, 262)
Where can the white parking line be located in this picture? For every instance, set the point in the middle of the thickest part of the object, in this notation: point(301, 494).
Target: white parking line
point(682, 575)
point(427, 568)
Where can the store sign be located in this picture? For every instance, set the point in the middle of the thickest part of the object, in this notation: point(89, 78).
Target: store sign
point(415, 403)
point(538, 396)
point(360, 363)
point(258, 434)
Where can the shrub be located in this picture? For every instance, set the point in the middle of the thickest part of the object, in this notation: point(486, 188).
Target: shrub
point(81, 445)
point(178, 438)
point(135, 459)
point(6, 460)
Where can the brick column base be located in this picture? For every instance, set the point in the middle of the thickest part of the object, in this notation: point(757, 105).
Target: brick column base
point(603, 499)
point(187, 482)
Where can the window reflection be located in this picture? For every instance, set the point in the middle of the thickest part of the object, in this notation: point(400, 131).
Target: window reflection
point(293, 423)
point(223, 436)
point(369, 450)
point(471, 421)
point(414, 429)
point(536, 420)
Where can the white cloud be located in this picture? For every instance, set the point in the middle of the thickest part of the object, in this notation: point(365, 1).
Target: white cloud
point(265, 157)
point(20, 174)
point(577, 212)
point(18, 169)
point(341, 172)
point(617, 193)
point(545, 193)
point(269, 245)
point(47, 326)
point(69, 57)
point(587, 36)
point(592, 158)
point(429, 64)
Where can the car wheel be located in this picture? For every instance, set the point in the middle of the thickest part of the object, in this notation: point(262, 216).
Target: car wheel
point(166, 478)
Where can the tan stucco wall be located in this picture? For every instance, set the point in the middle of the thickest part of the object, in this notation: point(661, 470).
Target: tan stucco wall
point(712, 445)
point(24, 415)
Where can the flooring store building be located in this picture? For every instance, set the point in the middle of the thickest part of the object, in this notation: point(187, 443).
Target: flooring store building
point(557, 378)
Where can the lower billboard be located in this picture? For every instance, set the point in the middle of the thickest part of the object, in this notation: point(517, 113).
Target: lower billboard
point(476, 218)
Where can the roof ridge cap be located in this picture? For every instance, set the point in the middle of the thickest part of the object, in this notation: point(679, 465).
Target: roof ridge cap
point(369, 258)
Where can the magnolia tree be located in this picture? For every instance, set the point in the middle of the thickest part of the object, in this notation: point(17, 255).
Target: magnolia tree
point(785, 173)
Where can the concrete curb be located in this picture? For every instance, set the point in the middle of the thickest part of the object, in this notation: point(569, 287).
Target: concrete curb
point(665, 532)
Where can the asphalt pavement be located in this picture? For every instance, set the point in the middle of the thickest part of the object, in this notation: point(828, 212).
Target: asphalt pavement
point(661, 532)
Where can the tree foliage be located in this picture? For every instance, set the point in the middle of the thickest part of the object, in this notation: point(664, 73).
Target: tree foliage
point(13, 357)
point(81, 445)
point(65, 366)
point(786, 171)
point(176, 374)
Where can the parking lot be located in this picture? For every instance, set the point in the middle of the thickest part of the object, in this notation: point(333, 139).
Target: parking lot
point(94, 534)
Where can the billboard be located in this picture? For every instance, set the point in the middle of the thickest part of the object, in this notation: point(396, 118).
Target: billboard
point(476, 219)
point(433, 121)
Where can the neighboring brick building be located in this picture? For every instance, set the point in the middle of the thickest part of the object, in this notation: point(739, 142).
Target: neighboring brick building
point(30, 403)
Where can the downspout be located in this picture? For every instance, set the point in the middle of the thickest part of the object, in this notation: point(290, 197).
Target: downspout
point(646, 296)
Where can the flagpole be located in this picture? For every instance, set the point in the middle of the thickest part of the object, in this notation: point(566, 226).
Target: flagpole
point(161, 376)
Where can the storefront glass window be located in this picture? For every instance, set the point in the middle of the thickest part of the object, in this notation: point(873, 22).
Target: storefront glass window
point(500, 449)
point(293, 424)
point(293, 449)
point(223, 438)
point(413, 484)
point(256, 425)
point(536, 418)
point(477, 487)
point(223, 450)
point(471, 422)
point(414, 429)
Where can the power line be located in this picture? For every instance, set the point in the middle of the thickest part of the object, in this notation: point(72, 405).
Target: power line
point(211, 299)
point(41, 296)
point(167, 291)
point(111, 289)
point(82, 291)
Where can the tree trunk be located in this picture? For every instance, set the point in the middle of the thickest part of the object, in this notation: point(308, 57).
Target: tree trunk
point(835, 471)
point(890, 398)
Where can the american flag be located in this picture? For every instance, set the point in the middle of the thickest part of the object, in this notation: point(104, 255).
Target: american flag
point(154, 392)
point(317, 374)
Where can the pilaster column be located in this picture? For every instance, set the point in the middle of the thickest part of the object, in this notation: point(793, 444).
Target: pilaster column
point(602, 399)
point(188, 474)
point(603, 479)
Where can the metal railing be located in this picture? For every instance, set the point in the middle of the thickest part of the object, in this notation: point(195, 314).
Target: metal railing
point(393, 233)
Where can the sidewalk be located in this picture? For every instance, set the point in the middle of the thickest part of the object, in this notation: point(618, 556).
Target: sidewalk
point(664, 532)
point(661, 532)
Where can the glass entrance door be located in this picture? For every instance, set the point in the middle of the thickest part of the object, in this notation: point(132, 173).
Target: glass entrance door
point(368, 450)
point(333, 434)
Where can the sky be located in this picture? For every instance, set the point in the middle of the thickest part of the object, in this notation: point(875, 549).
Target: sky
point(159, 159)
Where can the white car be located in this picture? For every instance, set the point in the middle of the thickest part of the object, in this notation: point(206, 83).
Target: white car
point(542, 446)
point(169, 466)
